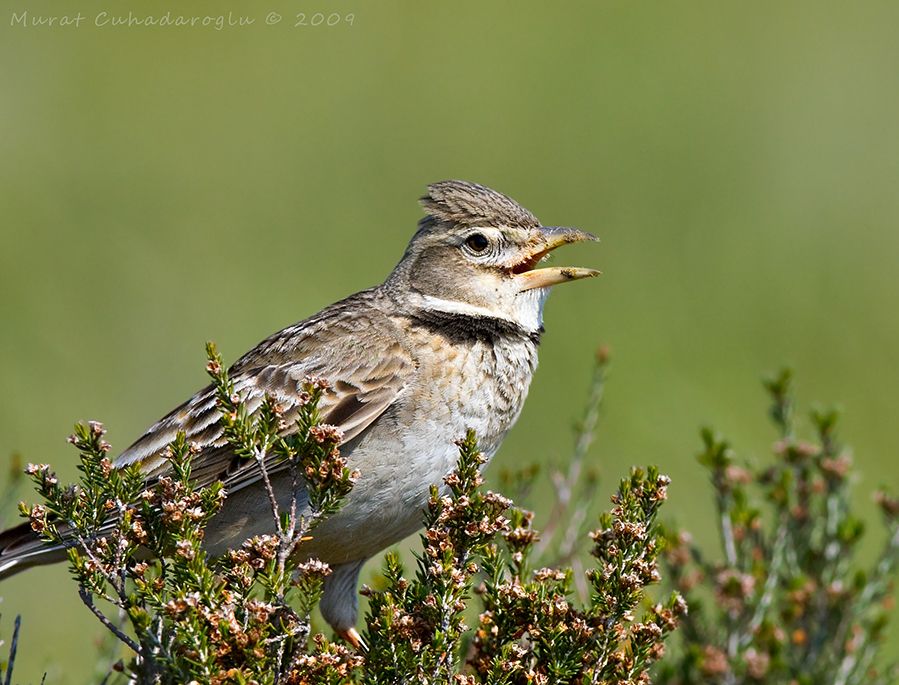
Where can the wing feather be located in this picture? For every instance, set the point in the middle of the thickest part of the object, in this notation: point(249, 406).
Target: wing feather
point(355, 348)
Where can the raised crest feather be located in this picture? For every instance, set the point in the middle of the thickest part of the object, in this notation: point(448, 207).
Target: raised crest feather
point(466, 204)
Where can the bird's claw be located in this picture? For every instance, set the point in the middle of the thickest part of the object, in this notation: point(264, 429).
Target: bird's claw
point(352, 636)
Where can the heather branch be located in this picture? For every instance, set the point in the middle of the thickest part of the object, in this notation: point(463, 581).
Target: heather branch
point(88, 601)
point(311, 447)
point(788, 606)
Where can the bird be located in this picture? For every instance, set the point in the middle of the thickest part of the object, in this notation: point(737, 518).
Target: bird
point(447, 343)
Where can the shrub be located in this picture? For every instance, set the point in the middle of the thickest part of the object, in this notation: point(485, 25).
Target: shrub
point(488, 601)
point(244, 617)
point(789, 602)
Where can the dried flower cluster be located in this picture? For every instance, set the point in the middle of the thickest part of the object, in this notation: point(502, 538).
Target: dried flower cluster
point(415, 625)
point(532, 630)
point(137, 546)
point(788, 603)
point(489, 600)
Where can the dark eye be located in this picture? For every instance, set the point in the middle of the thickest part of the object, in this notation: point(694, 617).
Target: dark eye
point(477, 242)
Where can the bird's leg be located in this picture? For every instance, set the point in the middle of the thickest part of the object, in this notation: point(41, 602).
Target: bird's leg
point(339, 604)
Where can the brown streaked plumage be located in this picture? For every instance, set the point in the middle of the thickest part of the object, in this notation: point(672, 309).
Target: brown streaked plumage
point(448, 342)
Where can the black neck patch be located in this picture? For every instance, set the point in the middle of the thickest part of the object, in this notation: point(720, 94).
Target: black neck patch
point(460, 328)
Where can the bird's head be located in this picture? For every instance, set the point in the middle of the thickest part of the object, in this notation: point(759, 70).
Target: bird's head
point(477, 251)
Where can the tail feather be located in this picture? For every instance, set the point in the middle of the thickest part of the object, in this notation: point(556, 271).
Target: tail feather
point(21, 548)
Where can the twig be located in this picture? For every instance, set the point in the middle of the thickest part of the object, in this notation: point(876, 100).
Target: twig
point(564, 483)
point(883, 570)
point(260, 454)
point(12, 651)
point(88, 600)
point(761, 607)
point(727, 533)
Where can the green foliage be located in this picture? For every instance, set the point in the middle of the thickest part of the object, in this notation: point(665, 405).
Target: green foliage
point(790, 603)
point(415, 627)
point(787, 604)
point(531, 630)
point(137, 546)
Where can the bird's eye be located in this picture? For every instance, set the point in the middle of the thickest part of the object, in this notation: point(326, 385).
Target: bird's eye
point(477, 242)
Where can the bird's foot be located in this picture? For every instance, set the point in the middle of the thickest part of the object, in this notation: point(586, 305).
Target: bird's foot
point(352, 636)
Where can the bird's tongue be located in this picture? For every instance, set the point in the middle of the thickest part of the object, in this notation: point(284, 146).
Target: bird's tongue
point(530, 262)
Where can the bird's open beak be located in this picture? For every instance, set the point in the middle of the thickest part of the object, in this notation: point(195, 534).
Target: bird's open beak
point(550, 238)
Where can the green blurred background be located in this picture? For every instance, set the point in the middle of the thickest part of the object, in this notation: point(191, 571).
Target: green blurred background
point(164, 186)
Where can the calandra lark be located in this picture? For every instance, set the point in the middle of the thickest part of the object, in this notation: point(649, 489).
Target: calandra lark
point(448, 342)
